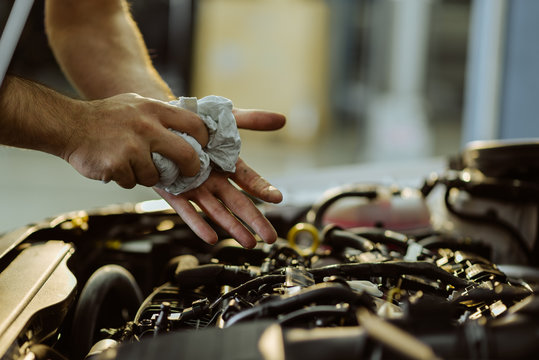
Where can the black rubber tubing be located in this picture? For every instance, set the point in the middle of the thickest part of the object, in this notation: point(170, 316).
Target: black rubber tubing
point(91, 302)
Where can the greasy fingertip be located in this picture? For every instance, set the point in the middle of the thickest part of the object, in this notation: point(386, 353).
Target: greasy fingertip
point(268, 234)
point(248, 244)
point(273, 194)
point(258, 119)
point(244, 237)
point(202, 229)
point(270, 239)
point(210, 238)
point(280, 121)
point(270, 194)
point(264, 229)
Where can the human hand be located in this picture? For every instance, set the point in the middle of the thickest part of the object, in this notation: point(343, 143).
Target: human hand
point(223, 202)
point(113, 139)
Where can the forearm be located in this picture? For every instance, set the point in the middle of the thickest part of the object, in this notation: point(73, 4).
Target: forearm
point(35, 117)
point(101, 50)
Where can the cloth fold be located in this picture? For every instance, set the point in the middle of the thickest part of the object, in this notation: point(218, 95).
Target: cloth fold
point(221, 152)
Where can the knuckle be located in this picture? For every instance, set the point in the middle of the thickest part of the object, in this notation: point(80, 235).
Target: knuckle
point(126, 184)
point(149, 179)
point(125, 181)
point(107, 171)
point(150, 106)
point(111, 164)
point(143, 125)
point(130, 150)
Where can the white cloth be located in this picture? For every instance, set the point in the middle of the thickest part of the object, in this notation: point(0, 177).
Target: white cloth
point(221, 152)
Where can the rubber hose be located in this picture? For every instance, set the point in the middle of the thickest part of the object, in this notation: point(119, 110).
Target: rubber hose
point(106, 281)
point(44, 352)
point(390, 269)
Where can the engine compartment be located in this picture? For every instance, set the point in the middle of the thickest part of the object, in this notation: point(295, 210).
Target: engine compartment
point(448, 270)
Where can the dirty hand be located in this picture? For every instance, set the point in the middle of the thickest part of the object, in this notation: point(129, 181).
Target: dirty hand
point(113, 139)
point(223, 202)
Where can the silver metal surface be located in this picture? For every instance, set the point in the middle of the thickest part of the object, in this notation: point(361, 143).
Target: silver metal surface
point(12, 32)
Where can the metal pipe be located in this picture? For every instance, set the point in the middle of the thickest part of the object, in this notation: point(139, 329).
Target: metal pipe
point(12, 33)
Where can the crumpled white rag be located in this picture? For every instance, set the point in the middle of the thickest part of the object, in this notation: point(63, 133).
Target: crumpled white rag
point(222, 150)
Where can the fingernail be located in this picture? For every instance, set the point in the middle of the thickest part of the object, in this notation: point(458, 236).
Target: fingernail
point(272, 188)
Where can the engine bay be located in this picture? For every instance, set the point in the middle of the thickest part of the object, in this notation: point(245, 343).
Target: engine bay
point(370, 271)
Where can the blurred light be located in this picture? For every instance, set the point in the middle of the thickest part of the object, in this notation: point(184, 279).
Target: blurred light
point(152, 206)
point(165, 225)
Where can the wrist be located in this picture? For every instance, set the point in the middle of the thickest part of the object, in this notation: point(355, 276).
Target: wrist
point(70, 128)
point(35, 117)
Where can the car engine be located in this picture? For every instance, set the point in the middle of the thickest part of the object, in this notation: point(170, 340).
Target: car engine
point(447, 270)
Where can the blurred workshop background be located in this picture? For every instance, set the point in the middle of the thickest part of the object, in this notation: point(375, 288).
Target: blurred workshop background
point(360, 81)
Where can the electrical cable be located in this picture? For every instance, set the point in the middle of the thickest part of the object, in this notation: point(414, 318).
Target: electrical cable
point(316, 214)
point(315, 312)
point(383, 236)
point(323, 293)
point(338, 238)
point(515, 234)
point(249, 285)
point(394, 269)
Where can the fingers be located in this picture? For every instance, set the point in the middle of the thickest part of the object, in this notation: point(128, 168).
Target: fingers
point(144, 169)
point(244, 208)
point(179, 151)
point(250, 181)
point(191, 217)
point(184, 121)
point(174, 147)
point(130, 167)
point(225, 205)
point(212, 207)
point(122, 174)
point(258, 119)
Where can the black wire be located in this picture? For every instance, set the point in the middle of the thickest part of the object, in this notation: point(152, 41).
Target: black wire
point(251, 284)
point(516, 236)
point(315, 312)
point(439, 241)
point(383, 236)
point(506, 293)
point(338, 238)
point(323, 294)
point(390, 269)
point(320, 209)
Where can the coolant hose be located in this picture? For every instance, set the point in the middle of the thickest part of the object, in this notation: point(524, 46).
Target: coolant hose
point(109, 291)
point(338, 238)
